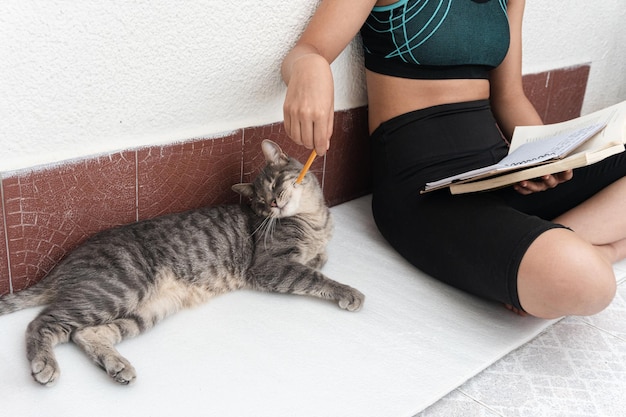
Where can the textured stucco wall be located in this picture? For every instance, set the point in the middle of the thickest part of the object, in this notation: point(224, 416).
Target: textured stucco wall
point(85, 77)
point(91, 76)
point(561, 33)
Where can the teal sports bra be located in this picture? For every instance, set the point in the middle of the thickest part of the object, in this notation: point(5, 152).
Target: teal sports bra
point(436, 39)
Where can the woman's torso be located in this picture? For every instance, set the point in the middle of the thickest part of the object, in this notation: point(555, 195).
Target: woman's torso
point(389, 97)
point(413, 44)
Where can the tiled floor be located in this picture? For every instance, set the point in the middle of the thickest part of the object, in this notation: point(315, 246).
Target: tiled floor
point(576, 368)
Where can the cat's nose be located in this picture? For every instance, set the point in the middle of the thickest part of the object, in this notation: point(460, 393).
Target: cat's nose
point(274, 203)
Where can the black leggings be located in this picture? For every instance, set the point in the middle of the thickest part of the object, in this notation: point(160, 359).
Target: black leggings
point(475, 241)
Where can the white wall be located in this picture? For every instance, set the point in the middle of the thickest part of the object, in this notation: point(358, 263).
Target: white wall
point(84, 77)
point(91, 76)
point(561, 33)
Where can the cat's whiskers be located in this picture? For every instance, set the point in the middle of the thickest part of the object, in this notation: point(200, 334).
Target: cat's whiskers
point(266, 228)
point(261, 226)
point(269, 232)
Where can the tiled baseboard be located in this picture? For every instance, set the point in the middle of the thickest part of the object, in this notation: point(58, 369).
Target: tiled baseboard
point(46, 212)
point(558, 94)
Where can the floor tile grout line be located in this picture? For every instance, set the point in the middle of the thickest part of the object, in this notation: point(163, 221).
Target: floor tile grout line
point(482, 404)
point(588, 323)
point(243, 155)
point(136, 186)
point(6, 235)
point(323, 172)
point(242, 162)
point(548, 88)
point(608, 332)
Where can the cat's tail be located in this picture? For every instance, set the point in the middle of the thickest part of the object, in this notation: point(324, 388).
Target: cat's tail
point(39, 294)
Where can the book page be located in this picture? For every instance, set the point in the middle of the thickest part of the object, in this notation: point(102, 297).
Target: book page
point(522, 156)
point(614, 117)
point(530, 153)
point(574, 161)
point(553, 147)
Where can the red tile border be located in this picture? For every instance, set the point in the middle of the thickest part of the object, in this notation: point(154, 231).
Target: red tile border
point(537, 90)
point(558, 94)
point(347, 174)
point(5, 278)
point(567, 92)
point(48, 212)
point(185, 176)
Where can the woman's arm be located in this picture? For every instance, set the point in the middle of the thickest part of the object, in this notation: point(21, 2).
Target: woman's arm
point(309, 103)
point(509, 103)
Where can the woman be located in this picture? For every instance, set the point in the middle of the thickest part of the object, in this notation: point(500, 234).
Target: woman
point(440, 74)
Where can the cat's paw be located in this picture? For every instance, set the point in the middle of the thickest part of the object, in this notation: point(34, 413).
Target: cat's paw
point(44, 370)
point(119, 369)
point(351, 299)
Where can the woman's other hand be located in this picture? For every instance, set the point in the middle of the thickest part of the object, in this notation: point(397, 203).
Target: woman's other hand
point(543, 183)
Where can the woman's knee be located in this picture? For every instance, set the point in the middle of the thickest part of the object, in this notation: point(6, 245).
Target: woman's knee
point(561, 274)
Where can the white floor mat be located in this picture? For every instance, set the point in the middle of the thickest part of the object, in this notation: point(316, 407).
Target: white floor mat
point(253, 354)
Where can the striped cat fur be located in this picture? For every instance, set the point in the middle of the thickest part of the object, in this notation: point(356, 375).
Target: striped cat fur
point(124, 280)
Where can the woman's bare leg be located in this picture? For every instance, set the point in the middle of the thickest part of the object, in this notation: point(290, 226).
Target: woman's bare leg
point(562, 274)
point(601, 220)
point(571, 273)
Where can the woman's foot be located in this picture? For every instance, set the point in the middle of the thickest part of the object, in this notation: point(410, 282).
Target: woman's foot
point(516, 310)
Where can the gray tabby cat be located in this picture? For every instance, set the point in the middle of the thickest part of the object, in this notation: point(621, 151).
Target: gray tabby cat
point(123, 281)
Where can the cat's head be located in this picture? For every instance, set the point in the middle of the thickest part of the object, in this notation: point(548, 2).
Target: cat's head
point(274, 192)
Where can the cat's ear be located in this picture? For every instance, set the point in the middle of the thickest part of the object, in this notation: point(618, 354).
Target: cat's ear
point(245, 189)
point(273, 154)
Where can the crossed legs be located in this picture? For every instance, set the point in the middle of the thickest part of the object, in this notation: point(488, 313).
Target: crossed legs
point(570, 273)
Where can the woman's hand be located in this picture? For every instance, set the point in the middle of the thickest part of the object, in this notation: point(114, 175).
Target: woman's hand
point(309, 103)
point(543, 183)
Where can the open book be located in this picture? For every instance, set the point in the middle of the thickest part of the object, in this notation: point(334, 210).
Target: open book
point(547, 149)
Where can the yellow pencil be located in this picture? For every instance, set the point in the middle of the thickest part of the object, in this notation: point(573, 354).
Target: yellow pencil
point(306, 166)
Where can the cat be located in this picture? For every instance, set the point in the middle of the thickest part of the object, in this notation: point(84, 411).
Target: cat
point(123, 281)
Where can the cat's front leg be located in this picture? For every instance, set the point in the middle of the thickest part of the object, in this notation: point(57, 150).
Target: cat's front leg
point(319, 261)
point(98, 343)
point(295, 278)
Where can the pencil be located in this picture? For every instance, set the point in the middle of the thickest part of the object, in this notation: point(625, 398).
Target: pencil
point(306, 166)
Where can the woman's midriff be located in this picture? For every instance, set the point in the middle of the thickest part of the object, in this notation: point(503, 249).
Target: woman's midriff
point(389, 97)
